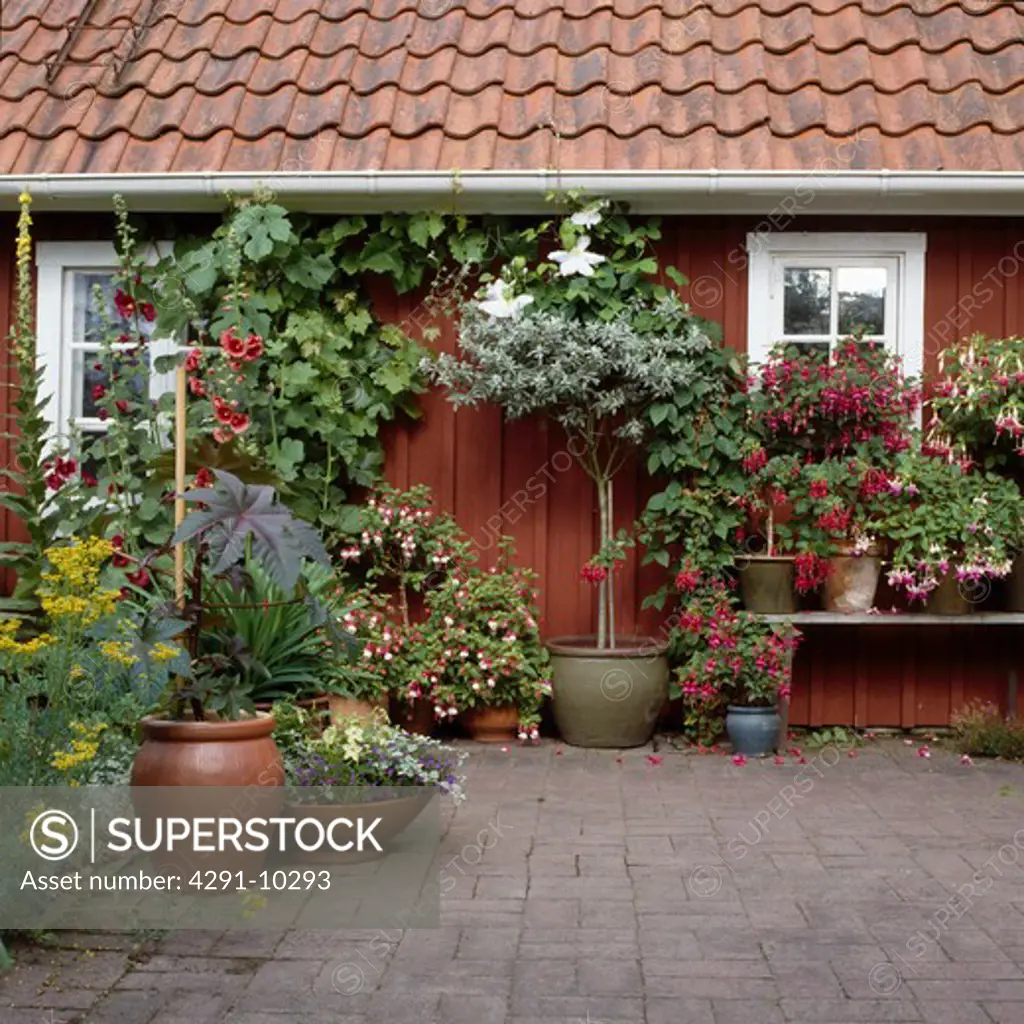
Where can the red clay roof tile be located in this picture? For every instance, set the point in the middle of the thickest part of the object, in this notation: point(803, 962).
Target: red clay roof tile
point(280, 85)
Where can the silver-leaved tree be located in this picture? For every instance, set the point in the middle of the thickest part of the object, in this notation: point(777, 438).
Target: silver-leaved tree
point(587, 335)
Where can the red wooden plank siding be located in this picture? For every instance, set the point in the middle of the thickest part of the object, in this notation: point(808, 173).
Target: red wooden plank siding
point(515, 478)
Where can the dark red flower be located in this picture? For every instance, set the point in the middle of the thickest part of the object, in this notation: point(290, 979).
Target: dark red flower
point(192, 360)
point(121, 405)
point(253, 347)
point(148, 311)
point(139, 578)
point(232, 344)
point(88, 480)
point(819, 488)
point(240, 422)
point(98, 391)
point(203, 478)
point(124, 304)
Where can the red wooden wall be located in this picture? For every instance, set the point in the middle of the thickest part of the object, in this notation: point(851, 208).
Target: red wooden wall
point(518, 478)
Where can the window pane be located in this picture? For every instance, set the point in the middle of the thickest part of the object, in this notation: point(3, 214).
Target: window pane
point(87, 326)
point(85, 376)
point(861, 299)
point(807, 299)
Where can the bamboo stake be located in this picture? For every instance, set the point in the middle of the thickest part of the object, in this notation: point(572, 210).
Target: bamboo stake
point(179, 481)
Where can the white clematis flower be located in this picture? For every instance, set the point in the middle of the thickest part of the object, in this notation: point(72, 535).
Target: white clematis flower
point(577, 260)
point(588, 217)
point(500, 302)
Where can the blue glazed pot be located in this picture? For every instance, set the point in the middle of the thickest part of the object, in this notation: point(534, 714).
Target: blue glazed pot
point(752, 731)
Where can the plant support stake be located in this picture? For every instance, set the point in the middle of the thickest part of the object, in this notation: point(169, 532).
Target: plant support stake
point(179, 480)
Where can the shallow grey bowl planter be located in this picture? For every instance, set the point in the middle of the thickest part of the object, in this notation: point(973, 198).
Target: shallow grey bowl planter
point(752, 731)
point(608, 697)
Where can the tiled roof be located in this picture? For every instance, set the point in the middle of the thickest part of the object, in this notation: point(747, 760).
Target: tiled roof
point(276, 85)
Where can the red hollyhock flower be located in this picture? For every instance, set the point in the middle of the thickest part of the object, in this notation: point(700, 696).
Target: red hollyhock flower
point(122, 406)
point(88, 480)
point(192, 360)
point(253, 347)
point(222, 411)
point(222, 436)
point(240, 422)
point(98, 391)
point(204, 478)
point(54, 481)
point(148, 311)
point(124, 304)
point(232, 344)
point(139, 578)
point(197, 387)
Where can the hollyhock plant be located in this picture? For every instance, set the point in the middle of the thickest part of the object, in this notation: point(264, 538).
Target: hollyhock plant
point(944, 518)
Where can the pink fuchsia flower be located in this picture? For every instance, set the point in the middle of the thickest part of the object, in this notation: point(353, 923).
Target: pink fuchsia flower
point(593, 573)
point(654, 759)
point(965, 759)
point(819, 489)
point(739, 759)
point(923, 752)
point(779, 759)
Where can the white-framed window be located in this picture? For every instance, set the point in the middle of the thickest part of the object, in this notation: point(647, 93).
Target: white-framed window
point(68, 332)
point(812, 289)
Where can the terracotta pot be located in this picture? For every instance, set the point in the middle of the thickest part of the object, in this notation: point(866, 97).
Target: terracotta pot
point(948, 598)
point(192, 757)
point(210, 753)
point(415, 716)
point(497, 724)
point(608, 697)
point(342, 708)
point(396, 816)
point(850, 585)
point(766, 584)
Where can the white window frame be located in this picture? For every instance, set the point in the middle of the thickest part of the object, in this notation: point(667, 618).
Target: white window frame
point(769, 253)
point(55, 262)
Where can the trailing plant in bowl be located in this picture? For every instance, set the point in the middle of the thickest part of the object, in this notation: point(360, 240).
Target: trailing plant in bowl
point(359, 753)
point(950, 523)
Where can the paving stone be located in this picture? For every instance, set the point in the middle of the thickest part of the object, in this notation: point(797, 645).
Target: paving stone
point(676, 1011)
point(125, 1008)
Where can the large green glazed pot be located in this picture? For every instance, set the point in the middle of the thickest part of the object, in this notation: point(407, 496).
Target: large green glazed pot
point(608, 697)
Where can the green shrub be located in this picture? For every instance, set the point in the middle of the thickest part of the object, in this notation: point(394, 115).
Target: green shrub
point(981, 730)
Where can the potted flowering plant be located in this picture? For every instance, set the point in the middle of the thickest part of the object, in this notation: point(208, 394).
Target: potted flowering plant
point(209, 732)
point(954, 529)
point(481, 652)
point(978, 413)
point(587, 336)
point(839, 504)
point(806, 409)
point(357, 761)
point(734, 659)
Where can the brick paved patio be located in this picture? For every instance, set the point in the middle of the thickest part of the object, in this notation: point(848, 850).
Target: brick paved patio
point(628, 892)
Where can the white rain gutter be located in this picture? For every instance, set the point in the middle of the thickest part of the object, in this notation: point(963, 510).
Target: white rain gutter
point(782, 194)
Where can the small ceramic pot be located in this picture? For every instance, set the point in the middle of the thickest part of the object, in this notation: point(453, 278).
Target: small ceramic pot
point(766, 584)
point(753, 732)
point(850, 585)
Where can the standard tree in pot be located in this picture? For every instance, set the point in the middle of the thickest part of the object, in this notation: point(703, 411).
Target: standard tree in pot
point(732, 659)
point(588, 337)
